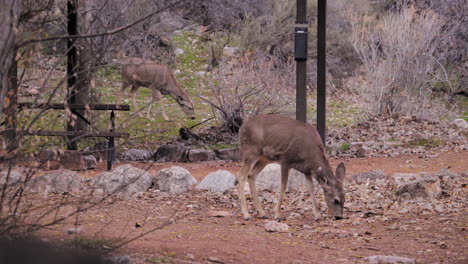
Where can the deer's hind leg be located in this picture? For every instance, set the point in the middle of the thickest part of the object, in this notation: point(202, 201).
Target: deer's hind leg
point(251, 177)
point(249, 172)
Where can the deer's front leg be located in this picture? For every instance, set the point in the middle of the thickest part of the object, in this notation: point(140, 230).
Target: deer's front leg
point(284, 183)
point(310, 186)
point(157, 98)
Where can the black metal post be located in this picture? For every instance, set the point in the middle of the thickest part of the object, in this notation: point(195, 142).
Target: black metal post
point(111, 145)
point(300, 55)
point(72, 27)
point(321, 68)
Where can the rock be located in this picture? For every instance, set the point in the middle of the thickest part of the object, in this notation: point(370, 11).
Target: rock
point(123, 179)
point(219, 213)
point(74, 230)
point(218, 181)
point(274, 226)
point(197, 155)
point(372, 175)
point(270, 178)
point(231, 51)
point(460, 123)
point(228, 154)
point(136, 155)
point(100, 150)
point(170, 153)
point(90, 162)
point(429, 188)
point(13, 177)
point(174, 180)
point(389, 260)
point(59, 181)
point(168, 23)
point(119, 260)
point(73, 160)
point(179, 51)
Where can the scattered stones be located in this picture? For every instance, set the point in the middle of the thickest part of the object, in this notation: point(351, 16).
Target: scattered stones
point(228, 154)
point(123, 179)
point(274, 226)
point(59, 181)
point(137, 155)
point(197, 155)
point(372, 175)
point(170, 153)
point(174, 180)
point(218, 181)
point(389, 260)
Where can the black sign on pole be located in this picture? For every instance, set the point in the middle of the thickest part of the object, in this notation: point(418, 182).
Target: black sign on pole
point(300, 55)
point(321, 67)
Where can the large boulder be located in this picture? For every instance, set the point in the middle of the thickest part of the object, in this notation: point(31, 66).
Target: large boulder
point(58, 181)
point(429, 188)
point(218, 181)
point(370, 176)
point(123, 179)
point(136, 155)
point(270, 179)
point(170, 153)
point(174, 180)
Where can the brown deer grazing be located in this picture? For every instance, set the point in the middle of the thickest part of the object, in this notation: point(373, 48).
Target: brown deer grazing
point(268, 138)
point(138, 72)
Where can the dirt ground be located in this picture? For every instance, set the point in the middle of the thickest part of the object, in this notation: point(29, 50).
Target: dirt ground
point(195, 236)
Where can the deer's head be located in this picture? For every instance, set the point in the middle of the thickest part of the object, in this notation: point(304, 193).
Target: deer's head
point(332, 186)
point(186, 104)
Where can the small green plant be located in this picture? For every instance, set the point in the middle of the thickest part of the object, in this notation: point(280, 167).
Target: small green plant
point(345, 146)
point(424, 142)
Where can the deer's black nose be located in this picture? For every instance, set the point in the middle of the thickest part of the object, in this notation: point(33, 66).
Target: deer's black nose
point(338, 217)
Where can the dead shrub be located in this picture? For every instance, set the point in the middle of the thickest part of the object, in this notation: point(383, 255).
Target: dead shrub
point(251, 87)
point(400, 58)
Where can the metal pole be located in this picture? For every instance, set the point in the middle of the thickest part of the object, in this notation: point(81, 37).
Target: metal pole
point(321, 68)
point(300, 54)
point(72, 27)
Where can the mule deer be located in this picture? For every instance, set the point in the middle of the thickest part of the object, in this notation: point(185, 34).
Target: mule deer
point(268, 138)
point(138, 72)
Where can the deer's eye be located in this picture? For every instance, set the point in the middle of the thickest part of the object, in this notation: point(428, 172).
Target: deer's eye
point(336, 201)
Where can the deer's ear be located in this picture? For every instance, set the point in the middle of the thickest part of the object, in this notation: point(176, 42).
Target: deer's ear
point(340, 172)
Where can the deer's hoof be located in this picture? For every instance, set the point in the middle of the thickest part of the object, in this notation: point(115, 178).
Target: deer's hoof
point(279, 219)
point(263, 217)
point(248, 218)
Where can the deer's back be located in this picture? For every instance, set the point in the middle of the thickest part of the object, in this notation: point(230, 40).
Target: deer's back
point(281, 138)
point(146, 72)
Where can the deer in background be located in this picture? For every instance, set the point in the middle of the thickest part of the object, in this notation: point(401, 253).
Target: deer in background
point(138, 72)
point(269, 138)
